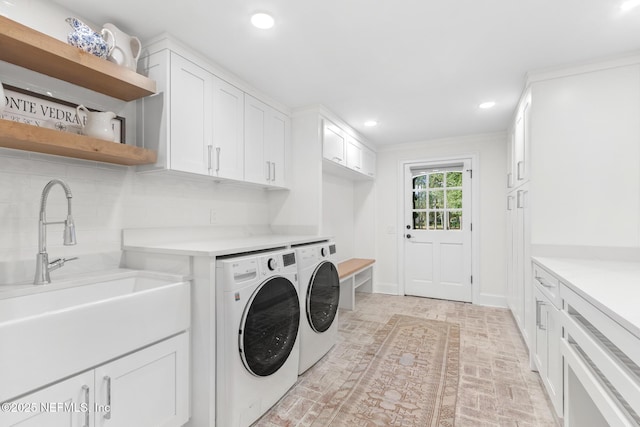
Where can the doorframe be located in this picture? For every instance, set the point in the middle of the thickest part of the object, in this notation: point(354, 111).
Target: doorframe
point(475, 216)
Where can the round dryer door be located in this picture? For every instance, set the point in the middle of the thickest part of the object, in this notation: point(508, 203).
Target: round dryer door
point(269, 326)
point(323, 296)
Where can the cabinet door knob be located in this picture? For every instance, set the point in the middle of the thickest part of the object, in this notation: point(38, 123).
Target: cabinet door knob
point(408, 236)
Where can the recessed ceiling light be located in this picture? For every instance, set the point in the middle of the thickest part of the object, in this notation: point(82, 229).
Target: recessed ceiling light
point(370, 123)
point(487, 105)
point(262, 20)
point(629, 4)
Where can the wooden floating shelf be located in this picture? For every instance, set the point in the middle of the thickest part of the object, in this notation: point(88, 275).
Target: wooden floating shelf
point(28, 48)
point(49, 141)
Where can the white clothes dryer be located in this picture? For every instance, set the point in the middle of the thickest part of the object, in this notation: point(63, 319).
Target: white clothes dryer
point(319, 298)
point(258, 318)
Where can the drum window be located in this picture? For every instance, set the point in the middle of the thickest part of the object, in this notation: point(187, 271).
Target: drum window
point(323, 296)
point(270, 327)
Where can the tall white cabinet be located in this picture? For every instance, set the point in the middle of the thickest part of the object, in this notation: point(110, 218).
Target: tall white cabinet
point(573, 190)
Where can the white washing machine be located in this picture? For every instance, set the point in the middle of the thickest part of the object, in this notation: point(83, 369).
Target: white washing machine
point(257, 350)
point(319, 286)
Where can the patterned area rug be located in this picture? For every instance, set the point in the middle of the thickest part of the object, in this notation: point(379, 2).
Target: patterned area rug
point(408, 377)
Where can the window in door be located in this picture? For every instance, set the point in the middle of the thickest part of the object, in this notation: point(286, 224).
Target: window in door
point(437, 199)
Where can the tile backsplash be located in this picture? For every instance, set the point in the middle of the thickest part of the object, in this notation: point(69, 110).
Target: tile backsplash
point(106, 199)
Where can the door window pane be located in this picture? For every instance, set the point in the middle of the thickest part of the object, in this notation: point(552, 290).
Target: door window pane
point(436, 180)
point(454, 199)
point(436, 199)
point(454, 220)
point(419, 220)
point(454, 179)
point(420, 200)
point(420, 182)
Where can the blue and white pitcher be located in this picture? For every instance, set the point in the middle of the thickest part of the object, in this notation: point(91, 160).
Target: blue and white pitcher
point(85, 38)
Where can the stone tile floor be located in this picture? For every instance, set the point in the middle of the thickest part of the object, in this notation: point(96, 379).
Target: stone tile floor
point(496, 386)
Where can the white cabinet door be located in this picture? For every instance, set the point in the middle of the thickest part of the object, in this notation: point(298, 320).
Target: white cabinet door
point(546, 348)
point(354, 154)
point(333, 143)
point(256, 168)
point(65, 404)
point(522, 135)
point(511, 255)
point(147, 388)
point(278, 126)
point(190, 117)
point(228, 131)
point(266, 132)
point(368, 162)
point(522, 293)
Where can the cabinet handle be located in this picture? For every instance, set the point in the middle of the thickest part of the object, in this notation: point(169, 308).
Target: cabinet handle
point(370, 174)
point(217, 159)
point(209, 147)
point(273, 171)
point(268, 171)
point(509, 180)
point(520, 163)
point(107, 416)
point(539, 324)
point(509, 203)
point(544, 283)
point(520, 201)
point(357, 167)
point(336, 158)
point(87, 401)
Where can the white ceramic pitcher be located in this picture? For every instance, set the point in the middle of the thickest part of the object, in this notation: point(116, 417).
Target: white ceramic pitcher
point(97, 124)
point(126, 50)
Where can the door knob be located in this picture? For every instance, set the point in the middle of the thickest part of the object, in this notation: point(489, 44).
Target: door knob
point(408, 236)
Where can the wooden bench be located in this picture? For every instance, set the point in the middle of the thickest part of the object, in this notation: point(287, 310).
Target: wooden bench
point(354, 273)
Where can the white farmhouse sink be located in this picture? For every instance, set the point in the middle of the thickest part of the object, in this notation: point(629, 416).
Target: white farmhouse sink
point(48, 332)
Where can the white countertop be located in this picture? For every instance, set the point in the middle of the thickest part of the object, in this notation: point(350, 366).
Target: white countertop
point(220, 247)
point(611, 286)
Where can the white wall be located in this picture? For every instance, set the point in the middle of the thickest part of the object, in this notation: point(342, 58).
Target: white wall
point(106, 198)
point(338, 218)
point(491, 153)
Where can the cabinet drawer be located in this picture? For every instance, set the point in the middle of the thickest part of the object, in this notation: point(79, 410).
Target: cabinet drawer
point(548, 284)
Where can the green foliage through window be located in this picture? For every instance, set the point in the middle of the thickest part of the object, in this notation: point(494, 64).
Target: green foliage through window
point(437, 201)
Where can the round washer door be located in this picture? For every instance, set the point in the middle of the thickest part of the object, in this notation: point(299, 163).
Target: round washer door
point(269, 326)
point(323, 296)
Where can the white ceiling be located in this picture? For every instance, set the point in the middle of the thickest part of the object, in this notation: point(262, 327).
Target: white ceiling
point(419, 67)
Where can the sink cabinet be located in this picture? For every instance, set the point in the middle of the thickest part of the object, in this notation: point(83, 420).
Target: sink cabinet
point(149, 387)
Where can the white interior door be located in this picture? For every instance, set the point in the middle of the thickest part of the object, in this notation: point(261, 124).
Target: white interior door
point(437, 244)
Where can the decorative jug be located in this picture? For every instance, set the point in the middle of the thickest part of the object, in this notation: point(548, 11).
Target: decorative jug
point(97, 124)
point(126, 49)
point(85, 38)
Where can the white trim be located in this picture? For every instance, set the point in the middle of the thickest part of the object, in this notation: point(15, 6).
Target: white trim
point(626, 59)
point(476, 297)
point(489, 300)
point(386, 288)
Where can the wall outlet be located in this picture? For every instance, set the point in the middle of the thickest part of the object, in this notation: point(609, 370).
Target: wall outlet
point(213, 217)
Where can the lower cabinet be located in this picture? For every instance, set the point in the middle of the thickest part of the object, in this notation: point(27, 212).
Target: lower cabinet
point(149, 387)
point(546, 347)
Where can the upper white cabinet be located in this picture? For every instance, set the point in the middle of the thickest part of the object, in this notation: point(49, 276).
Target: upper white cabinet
point(518, 150)
point(266, 139)
point(191, 110)
point(227, 147)
point(344, 155)
point(333, 143)
point(202, 125)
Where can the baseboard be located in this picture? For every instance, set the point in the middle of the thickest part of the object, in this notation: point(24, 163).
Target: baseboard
point(492, 300)
point(385, 288)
